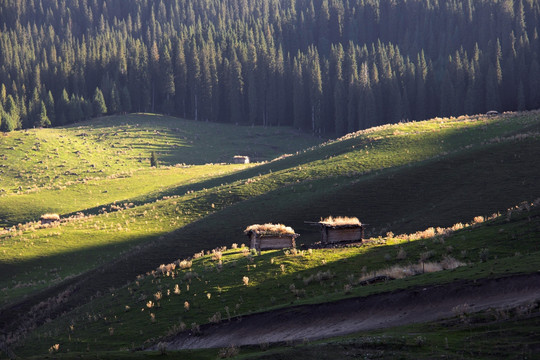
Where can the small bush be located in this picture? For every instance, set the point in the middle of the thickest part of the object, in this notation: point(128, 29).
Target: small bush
point(483, 254)
point(478, 220)
point(216, 255)
point(185, 264)
point(162, 348)
point(54, 348)
point(216, 318)
point(195, 329)
point(228, 352)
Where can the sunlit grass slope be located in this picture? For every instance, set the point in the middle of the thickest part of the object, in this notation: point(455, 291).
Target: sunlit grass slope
point(395, 178)
point(224, 284)
point(96, 162)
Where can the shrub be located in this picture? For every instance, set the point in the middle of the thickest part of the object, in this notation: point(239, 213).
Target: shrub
point(228, 352)
point(54, 348)
point(154, 160)
point(162, 348)
point(216, 318)
point(195, 329)
point(402, 254)
point(185, 264)
point(216, 255)
point(478, 219)
point(483, 254)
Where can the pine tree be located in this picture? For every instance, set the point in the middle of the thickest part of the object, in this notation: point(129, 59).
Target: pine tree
point(49, 103)
point(154, 67)
point(339, 94)
point(154, 160)
point(351, 69)
point(43, 118)
point(3, 95)
point(315, 89)
point(115, 106)
point(75, 112)
point(6, 125)
point(167, 85)
point(125, 99)
point(13, 120)
point(522, 102)
point(98, 103)
point(236, 91)
point(62, 108)
point(180, 71)
point(534, 84)
point(298, 95)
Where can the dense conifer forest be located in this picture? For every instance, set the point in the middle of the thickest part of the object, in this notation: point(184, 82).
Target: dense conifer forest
point(325, 66)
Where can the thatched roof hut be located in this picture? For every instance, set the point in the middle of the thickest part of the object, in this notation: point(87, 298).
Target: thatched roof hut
point(340, 229)
point(240, 159)
point(271, 236)
point(49, 218)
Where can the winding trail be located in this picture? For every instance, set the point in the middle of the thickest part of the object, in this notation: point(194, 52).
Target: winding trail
point(400, 307)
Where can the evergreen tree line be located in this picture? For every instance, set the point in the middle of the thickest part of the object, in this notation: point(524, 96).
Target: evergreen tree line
point(326, 66)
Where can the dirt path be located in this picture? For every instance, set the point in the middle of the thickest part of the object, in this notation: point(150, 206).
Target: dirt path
point(367, 313)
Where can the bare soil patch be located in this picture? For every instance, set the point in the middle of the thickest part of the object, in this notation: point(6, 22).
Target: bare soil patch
point(401, 307)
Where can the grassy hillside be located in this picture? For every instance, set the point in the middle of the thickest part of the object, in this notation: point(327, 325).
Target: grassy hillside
point(465, 155)
point(101, 161)
point(227, 283)
point(398, 178)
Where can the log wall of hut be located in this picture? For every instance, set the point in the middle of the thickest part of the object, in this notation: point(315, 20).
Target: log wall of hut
point(271, 242)
point(334, 235)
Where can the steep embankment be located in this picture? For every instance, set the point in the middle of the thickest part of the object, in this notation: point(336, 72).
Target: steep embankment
point(396, 308)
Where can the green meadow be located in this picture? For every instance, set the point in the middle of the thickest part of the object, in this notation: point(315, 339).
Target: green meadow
point(220, 285)
point(97, 162)
point(121, 219)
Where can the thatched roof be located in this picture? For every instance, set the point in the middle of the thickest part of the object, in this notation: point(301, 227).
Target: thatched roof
point(270, 230)
point(50, 217)
point(340, 221)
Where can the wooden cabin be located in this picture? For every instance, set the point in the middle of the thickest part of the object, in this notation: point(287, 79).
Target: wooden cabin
point(239, 159)
point(271, 236)
point(340, 229)
point(49, 218)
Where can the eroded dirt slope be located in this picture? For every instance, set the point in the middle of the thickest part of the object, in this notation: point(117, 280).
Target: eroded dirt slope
point(366, 313)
